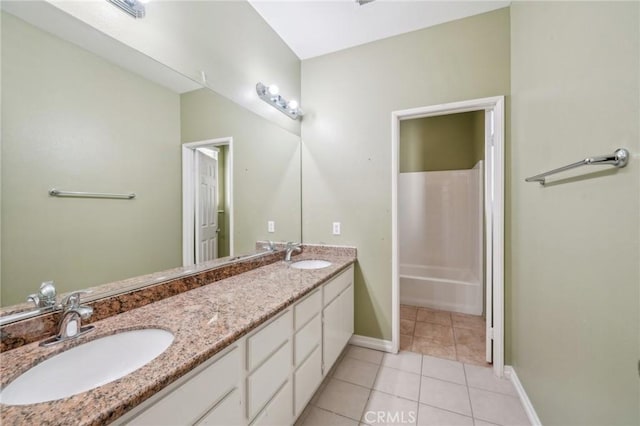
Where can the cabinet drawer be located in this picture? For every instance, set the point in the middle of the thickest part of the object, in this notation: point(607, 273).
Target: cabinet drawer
point(194, 398)
point(279, 411)
point(306, 309)
point(262, 344)
point(228, 412)
point(307, 339)
point(263, 383)
point(334, 287)
point(306, 380)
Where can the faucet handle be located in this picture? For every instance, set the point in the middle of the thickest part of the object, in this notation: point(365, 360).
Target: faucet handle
point(270, 246)
point(46, 297)
point(72, 300)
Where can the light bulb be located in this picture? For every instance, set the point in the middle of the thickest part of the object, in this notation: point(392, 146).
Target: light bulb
point(273, 89)
point(293, 104)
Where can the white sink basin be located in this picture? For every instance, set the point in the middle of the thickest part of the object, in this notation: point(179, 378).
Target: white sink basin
point(310, 264)
point(87, 366)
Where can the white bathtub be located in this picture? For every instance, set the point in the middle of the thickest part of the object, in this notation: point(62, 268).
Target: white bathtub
point(449, 289)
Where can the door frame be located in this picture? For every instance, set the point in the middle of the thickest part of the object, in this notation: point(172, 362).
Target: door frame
point(188, 194)
point(495, 218)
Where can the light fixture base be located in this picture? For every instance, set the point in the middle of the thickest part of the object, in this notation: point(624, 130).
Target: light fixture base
point(134, 8)
point(278, 102)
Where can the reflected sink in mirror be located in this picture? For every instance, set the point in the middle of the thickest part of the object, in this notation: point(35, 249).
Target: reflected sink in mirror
point(310, 264)
point(86, 366)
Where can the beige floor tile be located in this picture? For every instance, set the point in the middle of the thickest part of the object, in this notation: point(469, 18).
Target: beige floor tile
point(470, 337)
point(384, 409)
point(344, 398)
point(440, 334)
point(433, 316)
point(425, 346)
point(471, 355)
point(407, 327)
point(364, 354)
point(432, 416)
point(497, 408)
point(357, 372)
point(408, 312)
point(445, 395)
point(320, 417)
point(397, 382)
point(404, 360)
point(406, 342)
point(483, 378)
point(451, 371)
point(467, 321)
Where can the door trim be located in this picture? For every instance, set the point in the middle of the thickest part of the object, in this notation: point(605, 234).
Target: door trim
point(188, 195)
point(495, 237)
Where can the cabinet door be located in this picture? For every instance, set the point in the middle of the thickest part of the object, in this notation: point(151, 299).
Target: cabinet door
point(279, 411)
point(332, 336)
point(195, 397)
point(228, 412)
point(346, 302)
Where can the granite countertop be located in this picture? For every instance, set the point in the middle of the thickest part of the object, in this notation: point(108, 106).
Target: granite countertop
point(204, 321)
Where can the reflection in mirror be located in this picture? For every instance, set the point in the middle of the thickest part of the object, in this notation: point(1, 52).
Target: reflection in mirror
point(75, 121)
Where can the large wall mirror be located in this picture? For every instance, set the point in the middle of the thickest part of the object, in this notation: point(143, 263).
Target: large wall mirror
point(82, 112)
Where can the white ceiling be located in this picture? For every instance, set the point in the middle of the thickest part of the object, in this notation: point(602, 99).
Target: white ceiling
point(316, 27)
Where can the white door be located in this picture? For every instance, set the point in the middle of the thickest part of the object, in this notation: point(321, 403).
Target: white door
point(206, 198)
point(488, 200)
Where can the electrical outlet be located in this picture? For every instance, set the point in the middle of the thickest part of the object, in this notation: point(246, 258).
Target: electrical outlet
point(271, 226)
point(336, 228)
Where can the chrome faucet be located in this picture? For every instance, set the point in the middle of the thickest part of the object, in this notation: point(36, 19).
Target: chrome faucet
point(46, 297)
point(71, 319)
point(270, 246)
point(291, 247)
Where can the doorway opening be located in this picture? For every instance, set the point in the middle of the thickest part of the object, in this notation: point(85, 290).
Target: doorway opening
point(207, 200)
point(447, 231)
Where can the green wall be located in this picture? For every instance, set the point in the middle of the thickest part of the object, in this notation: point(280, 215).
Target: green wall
point(444, 142)
point(74, 121)
point(228, 40)
point(346, 133)
point(574, 270)
point(266, 166)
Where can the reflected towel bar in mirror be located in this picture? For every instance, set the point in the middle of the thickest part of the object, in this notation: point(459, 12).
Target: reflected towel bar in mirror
point(619, 159)
point(58, 193)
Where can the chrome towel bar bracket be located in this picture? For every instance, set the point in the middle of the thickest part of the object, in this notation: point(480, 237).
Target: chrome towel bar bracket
point(619, 159)
point(58, 193)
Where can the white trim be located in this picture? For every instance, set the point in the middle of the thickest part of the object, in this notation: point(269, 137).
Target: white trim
point(188, 195)
point(372, 343)
point(497, 235)
point(510, 373)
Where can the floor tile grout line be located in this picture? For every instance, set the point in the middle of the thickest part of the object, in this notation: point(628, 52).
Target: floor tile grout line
point(420, 388)
point(466, 380)
point(366, 404)
point(337, 414)
point(445, 409)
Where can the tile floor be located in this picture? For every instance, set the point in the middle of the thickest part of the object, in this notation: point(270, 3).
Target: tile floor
point(368, 387)
point(443, 334)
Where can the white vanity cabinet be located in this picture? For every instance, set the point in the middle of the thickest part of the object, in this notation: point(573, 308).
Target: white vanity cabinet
point(337, 313)
point(267, 377)
point(209, 395)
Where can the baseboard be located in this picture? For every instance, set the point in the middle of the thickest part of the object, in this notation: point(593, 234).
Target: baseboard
point(371, 343)
point(510, 373)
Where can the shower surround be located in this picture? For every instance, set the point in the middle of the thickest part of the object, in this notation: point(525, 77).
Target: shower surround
point(441, 239)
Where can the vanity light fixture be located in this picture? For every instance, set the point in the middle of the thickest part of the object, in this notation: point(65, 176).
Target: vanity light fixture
point(134, 8)
point(270, 94)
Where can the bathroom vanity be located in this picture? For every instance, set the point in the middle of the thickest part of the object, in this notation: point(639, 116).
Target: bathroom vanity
point(249, 349)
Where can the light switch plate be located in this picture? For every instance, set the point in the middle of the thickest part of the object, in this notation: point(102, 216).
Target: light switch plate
point(271, 226)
